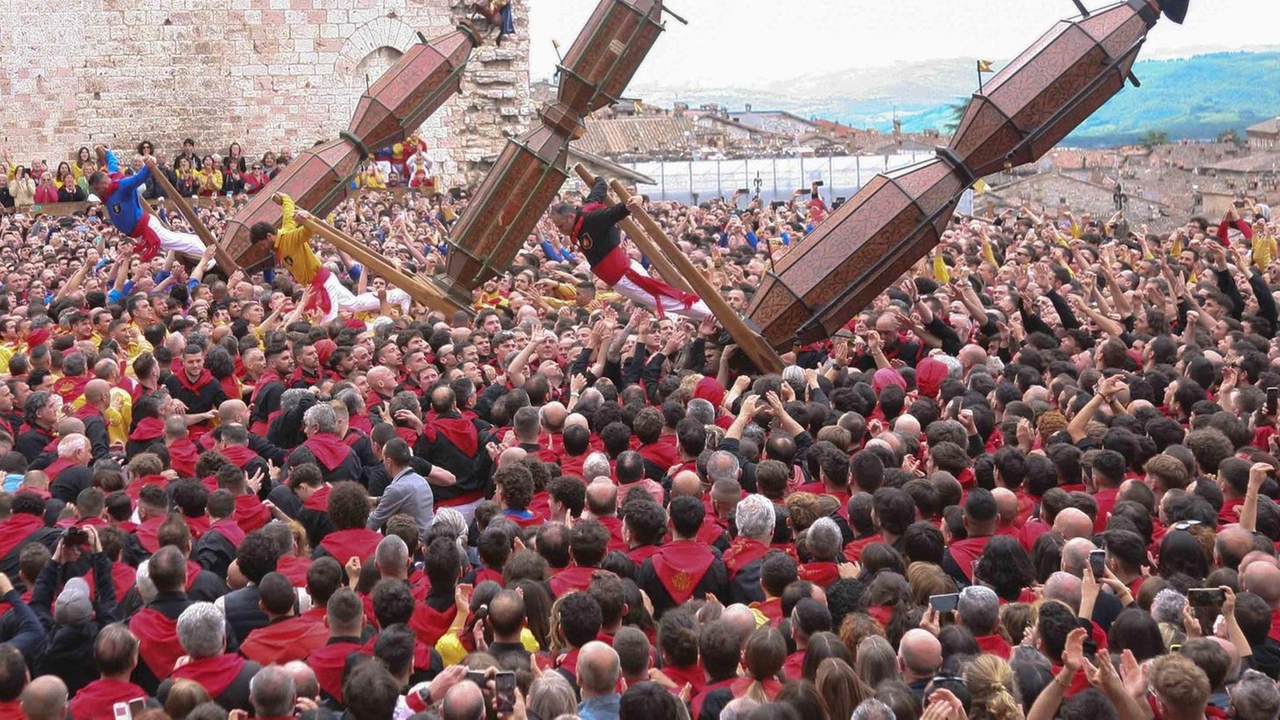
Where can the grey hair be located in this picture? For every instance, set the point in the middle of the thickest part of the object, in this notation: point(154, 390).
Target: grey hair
point(272, 692)
point(290, 399)
point(1167, 606)
point(447, 517)
point(979, 609)
point(202, 630)
point(755, 516)
point(872, 709)
point(1255, 696)
point(322, 416)
point(351, 399)
point(738, 709)
point(701, 410)
point(72, 445)
point(405, 401)
point(392, 554)
point(793, 375)
point(722, 465)
point(825, 539)
point(146, 589)
point(596, 465)
point(552, 696)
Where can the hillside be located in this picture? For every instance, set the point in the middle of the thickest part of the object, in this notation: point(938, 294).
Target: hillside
point(1196, 97)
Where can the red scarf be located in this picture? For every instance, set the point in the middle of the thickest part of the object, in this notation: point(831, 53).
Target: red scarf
point(148, 534)
point(183, 456)
point(459, 431)
point(571, 578)
point(853, 551)
point(157, 641)
point(96, 700)
point(203, 379)
point(771, 609)
point(215, 673)
point(319, 500)
point(87, 411)
point(346, 544)
point(642, 553)
point(328, 448)
point(230, 529)
point(71, 388)
point(742, 552)
point(147, 429)
point(821, 574)
point(251, 514)
point(328, 662)
point(17, 528)
point(995, 645)
point(57, 466)
point(134, 490)
point(680, 566)
point(430, 625)
point(266, 379)
point(295, 569)
point(965, 552)
point(289, 639)
point(239, 455)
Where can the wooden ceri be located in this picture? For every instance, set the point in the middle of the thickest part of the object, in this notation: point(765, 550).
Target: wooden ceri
point(417, 288)
point(642, 241)
point(224, 258)
point(765, 357)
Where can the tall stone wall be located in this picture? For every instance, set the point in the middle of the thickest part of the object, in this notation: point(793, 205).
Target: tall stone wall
point(266, 73)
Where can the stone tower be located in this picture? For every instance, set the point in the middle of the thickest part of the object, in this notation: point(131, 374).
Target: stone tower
point(265, 73)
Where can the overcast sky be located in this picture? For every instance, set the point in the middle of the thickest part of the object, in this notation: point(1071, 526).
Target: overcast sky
point(741, 42)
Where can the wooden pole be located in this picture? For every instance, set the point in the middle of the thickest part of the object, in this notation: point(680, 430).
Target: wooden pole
point(417, 288)
point(760, 352)
point(224, 259)
point(643, 241)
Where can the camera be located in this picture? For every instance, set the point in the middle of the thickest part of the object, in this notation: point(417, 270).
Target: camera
point(75, 536)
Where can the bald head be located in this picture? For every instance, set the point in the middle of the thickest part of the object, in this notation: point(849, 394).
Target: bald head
point(233, 412)
point(97, 393)
point(686, 483)
point(920, 654)
point(305, 682)
point(511, 456)
point(742, 619)
point(907, 425)
point(1006, 505)
point(463, 701)
point(1231, 545)
point(553, 416)
point(1065, 587)
point(598, 669)
point(577, 419)
point(1075, 556)
point(45, 698)
point(1263, 580)
point(382, 379)
point(69, 426)
point(1073, 523)
point(602, 495)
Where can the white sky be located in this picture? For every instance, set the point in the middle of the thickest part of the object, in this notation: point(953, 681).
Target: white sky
point(742, 43)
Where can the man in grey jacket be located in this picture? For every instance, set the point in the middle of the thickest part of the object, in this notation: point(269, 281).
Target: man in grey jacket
point(409, 493)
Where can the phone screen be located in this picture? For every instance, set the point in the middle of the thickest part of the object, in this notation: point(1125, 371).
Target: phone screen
point(1098, 562)
point(944, 603)
point(1206, 597)
point(505, 682)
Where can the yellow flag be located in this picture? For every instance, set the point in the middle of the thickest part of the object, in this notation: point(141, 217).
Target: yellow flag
point(1176, 250)
point(980, 187)
point(984, 66)
point(940, 271)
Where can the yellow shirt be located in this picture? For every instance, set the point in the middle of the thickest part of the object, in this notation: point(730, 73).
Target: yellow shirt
point(293, 247)
point(6, 352)
point(452, 652)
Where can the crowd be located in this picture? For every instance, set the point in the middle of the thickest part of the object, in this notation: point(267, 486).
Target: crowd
point(1035, 479)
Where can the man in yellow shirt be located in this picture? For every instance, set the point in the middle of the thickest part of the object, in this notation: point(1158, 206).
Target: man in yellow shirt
point(292, 248)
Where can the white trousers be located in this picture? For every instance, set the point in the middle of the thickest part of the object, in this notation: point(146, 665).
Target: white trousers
point(636, 294)
point(179, 242)
point(340, 298)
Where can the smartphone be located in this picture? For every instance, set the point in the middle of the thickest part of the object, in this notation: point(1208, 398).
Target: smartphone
point(819, 183)
point(1206, 597)
point(1097, 562)
point(75, 536)
point(505, 684)
point(1273, 394)
point(744, 191)
point(137, 706)
point(121, 711)
point(944, 603)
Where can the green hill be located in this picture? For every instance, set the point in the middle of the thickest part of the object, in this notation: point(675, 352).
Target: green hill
point(1196, 98)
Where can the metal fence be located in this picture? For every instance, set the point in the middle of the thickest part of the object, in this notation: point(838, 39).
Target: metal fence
point(779, 178)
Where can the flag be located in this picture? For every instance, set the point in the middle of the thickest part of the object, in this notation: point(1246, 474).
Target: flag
point(980, 187)
point(984, 66)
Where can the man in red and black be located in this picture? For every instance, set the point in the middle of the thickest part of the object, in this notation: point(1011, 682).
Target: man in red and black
point(335, 457)
point(588, 544)
point(684, 567)
point(980, 518)
point(433, 616)
point(216, 548)
point(232, 442)
point(23, 525)
point(267, 392)
point(393, 607)
point(756, 518)
point(196, 388)
point(344, 614)
point(657, 445)
point(97, 397)
point(456, 443)
point(40, 415)
point(646, 524)
point(305, 498)
point(306, 360)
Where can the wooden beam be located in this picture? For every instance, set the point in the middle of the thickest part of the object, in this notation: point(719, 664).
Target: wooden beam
point(750, 342)
point(417, 288)
point(224, 258)
point(643, 241)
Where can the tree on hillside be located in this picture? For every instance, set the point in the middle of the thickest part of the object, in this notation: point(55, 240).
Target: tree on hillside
point(1230, 136)
point(1154, 138)
point(956, 110)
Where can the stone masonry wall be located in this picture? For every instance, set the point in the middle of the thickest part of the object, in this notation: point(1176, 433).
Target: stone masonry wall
point(266, 73)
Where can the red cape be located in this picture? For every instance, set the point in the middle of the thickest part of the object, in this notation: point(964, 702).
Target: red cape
point(742, 552)
point(71, 388)
point(821, 574)
point(134, 490)
point(239, 455)
point(147, 429)
point(17, 528)
point(965, 552)
point(183, 456)
point(230, 529)
point(250, 513)
point(95, 701)
point(295, 568)
point(319, 500)
point(203, 379)
point(291, 639)
point(328, 662)
point(346, 544)
point(147, 534)
point(571, 578)
point(459, 431)
point(328, 448)
point(680, 566)
point(430, 625)
point(157, 641)
point(995, 645)
point(215, 673)
point(853, 551)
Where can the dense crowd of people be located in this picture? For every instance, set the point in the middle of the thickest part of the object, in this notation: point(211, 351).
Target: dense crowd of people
point(1035, 479)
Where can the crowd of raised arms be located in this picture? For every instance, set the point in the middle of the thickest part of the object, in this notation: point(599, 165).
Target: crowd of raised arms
point(1034, 480)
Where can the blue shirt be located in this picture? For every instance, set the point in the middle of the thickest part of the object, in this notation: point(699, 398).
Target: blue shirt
point(602, 707)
